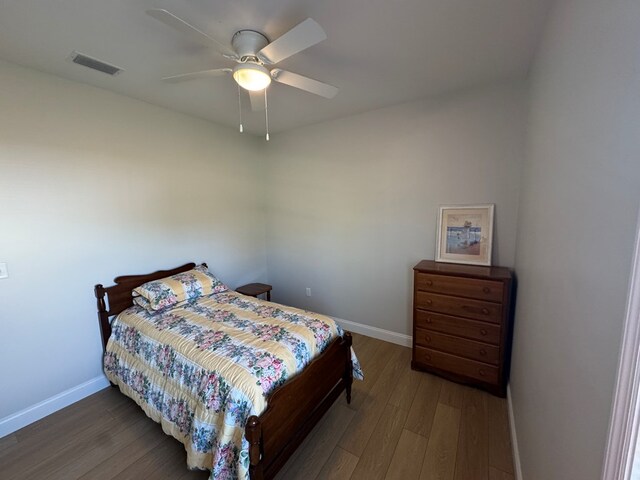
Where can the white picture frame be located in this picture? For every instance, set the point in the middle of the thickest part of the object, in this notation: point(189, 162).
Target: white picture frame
point(465, 234)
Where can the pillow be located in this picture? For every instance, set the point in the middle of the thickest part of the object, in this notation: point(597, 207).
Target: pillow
point(142, 302)
point(169, 291)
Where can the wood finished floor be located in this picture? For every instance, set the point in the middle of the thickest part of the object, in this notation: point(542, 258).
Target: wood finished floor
point(401, 424)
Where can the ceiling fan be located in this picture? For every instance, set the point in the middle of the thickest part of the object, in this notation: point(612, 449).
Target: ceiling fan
point(253, 53)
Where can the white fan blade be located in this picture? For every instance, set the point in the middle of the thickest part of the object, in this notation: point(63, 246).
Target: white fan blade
point(170, 19)
point(217, 72)
point(303, 35)
point(257, 100)
point(303, 83)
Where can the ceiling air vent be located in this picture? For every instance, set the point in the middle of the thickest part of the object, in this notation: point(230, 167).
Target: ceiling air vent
point(86, 61)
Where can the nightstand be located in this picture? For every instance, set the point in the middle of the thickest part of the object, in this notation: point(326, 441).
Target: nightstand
point(255, 289)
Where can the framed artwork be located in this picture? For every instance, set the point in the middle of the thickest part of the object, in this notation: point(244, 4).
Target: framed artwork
point(465, 234)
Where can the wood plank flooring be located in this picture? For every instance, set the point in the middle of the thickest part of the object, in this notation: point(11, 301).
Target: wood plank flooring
point(400, 425)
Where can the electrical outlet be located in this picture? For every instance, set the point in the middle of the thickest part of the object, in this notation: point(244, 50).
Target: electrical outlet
point(308, 292)
point(4, 273)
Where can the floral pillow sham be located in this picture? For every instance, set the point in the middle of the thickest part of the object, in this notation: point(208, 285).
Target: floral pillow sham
point(169, 291)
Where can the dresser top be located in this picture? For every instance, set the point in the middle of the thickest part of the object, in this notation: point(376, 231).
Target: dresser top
point(475, 271)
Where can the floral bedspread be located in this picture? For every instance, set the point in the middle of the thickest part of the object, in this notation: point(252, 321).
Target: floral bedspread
point(202, 368)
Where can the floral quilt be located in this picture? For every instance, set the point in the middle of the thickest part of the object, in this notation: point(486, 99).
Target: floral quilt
point(203, 367)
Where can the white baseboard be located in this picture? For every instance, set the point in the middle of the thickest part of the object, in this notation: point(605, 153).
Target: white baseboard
point(517, 466)
point(375, 332)
point(40, 410)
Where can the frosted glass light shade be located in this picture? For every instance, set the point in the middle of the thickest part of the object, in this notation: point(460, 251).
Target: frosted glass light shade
point(251, 76)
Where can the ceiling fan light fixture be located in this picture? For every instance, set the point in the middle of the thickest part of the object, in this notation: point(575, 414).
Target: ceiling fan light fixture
point(251, 76)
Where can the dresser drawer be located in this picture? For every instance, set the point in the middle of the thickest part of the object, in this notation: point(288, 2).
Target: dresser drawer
point(458, 346)
point(457, 365)
point(485, 332)
point(459, 286)
point(463, 307)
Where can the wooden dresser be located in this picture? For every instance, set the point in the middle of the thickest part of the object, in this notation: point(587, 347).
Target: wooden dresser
point(462, 323)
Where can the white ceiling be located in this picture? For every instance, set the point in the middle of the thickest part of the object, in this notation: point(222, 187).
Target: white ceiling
point(378, 52)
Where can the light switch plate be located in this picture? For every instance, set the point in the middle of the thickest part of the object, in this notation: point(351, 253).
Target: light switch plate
point(4, 273)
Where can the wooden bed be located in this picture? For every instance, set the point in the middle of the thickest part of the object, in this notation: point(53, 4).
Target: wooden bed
point(293, 409)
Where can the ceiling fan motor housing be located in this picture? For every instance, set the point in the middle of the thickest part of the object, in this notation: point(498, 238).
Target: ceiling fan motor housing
point(247, 44)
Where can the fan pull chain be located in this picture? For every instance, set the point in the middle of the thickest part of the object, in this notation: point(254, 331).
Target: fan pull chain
point(266, 113)
point(240, 109)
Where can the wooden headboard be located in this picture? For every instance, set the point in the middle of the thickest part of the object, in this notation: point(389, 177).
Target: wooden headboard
point(119, 296)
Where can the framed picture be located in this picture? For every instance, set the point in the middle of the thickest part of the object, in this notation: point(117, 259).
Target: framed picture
point(465, 234)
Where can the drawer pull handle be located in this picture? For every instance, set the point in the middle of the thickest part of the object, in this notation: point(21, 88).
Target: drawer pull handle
point(429, 302)
point(485, 311)
point(427, 338)
point(486, 290)
point(429, 283)
point(483, 352)
point(429, 320)
point(483, 332)
point(428, 357)
point(481, 372)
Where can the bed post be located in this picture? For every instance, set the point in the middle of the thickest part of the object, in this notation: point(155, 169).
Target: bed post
point(253, 432)
point(103, 316)
point(348, 369)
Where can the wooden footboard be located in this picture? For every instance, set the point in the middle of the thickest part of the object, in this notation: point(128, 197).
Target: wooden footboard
point(296, 407)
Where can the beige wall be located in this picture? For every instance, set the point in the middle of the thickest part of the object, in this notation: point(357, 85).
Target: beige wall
point(93, 185)
point(578, 211)
point(352, 203)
